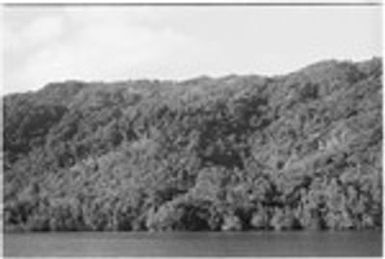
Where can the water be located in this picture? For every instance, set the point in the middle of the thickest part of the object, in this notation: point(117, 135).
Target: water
point(365, 243)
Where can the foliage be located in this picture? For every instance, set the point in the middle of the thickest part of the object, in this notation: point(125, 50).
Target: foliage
point(301, 151)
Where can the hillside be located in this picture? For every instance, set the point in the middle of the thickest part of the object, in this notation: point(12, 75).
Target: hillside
point(300, 151)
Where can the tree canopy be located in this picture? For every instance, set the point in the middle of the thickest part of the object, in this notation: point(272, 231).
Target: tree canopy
point(300, 151)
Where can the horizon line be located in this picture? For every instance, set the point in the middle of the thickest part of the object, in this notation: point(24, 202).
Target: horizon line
point(192, 77)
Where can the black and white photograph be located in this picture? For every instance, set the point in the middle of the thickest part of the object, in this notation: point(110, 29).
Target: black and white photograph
point(192, 129)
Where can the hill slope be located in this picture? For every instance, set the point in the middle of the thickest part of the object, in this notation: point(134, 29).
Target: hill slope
point(240, 152)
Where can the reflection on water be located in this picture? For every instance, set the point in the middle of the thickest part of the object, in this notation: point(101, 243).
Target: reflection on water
point(366, 243)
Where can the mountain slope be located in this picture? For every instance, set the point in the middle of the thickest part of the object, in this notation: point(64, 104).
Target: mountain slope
point(298, 151)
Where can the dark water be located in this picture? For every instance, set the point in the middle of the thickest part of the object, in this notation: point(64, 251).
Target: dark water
point(366, 243)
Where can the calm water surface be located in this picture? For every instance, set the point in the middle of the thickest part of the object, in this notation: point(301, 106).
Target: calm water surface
point(365, 243)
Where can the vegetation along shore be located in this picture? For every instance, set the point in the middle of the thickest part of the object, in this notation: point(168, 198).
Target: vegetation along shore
point(297, 151)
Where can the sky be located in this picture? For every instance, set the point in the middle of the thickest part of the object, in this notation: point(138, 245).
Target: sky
point(106, 43)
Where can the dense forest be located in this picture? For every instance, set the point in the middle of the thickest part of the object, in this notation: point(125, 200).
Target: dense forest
point(297, 151)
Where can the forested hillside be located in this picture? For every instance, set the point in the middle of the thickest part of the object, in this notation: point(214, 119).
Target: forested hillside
point(300, 151)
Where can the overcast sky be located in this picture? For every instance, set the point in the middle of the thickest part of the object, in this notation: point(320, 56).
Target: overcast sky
point(46, 44)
